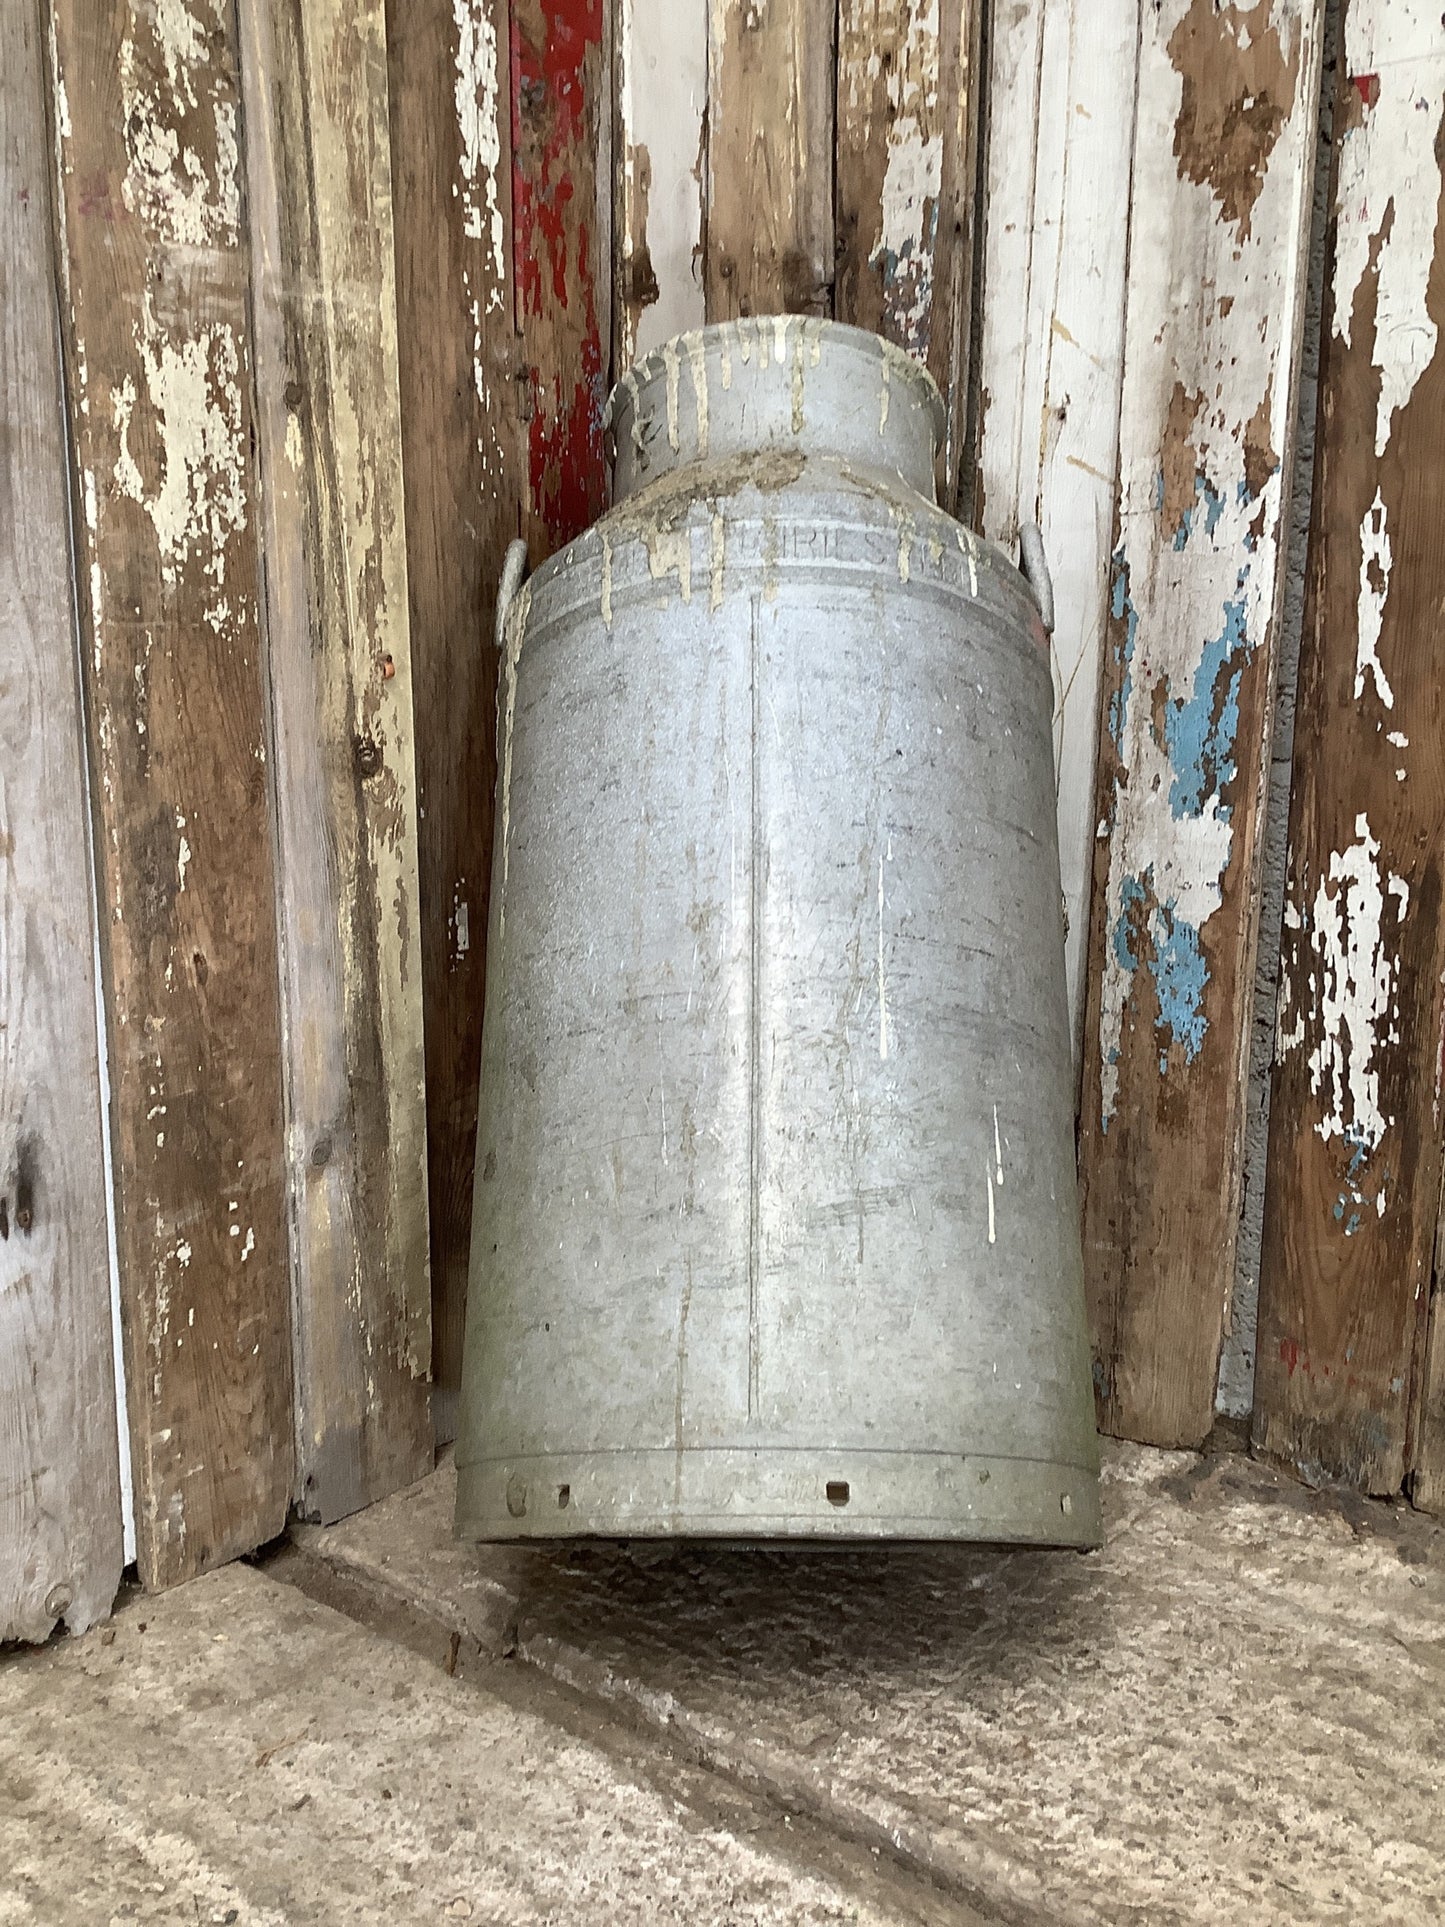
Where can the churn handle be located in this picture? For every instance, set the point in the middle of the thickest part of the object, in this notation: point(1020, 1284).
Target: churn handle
point(1034, 566)
point(514, 568)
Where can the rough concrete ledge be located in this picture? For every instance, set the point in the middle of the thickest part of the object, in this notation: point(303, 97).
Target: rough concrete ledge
point(235, 1753)
point(1230, 1713)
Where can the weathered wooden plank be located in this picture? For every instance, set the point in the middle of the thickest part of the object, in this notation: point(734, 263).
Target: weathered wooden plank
point(338, 653)
point(1353, 1184)
point(907, 115)
point(769, 247)
point(1227, 102)
point(1060, 159)
point(562, 207)
point(60, 1517)
point(661, 116)
point(155, 322)
point(465, 479)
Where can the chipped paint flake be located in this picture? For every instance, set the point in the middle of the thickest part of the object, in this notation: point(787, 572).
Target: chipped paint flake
point(1374, 592)
point(1387, 200)
point(185, 188)
point(476, 96)
point(193, 387)
point(1346, 957)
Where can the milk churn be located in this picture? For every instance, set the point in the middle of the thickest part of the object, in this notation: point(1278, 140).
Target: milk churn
point(775, 1231)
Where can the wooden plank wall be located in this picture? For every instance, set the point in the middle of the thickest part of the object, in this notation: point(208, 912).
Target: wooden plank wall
point(1062, 93)
point(221, 285)
point(462, 464)
point(60, 1520)
point(158, 360)
point(338, 647)
point(1223, 148)
point(302, 430)
point(907, 138)
point(1353, 1192)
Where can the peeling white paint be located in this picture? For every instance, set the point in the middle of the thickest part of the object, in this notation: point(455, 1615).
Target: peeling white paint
point(1374, 592)
point(1387, 200)
point(186, 198)
point(1352, 982)
point(911, 130)
point(1196, 575)
point(476, 94)
point(662, 76)
point(194, 389)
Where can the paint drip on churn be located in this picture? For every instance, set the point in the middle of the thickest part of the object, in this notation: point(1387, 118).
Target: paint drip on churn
point(775, 1230)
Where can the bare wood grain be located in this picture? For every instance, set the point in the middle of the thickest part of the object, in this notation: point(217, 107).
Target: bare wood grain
point(770, 222)
point(60, 1517)
point(1353, 1186)
point(157, 350)
point(338, 652)
point(464, 475)
point(1223, 153)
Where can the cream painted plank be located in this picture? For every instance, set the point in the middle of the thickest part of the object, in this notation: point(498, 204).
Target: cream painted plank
point(60, 1508)
point(339, 660)
point(1060, 158)
point(1223, 176)
point(661, 115)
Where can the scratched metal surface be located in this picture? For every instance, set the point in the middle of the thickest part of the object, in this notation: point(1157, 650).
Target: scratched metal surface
point(775, 1228)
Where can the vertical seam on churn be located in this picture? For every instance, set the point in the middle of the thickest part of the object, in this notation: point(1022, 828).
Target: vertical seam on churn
point(754, 1013)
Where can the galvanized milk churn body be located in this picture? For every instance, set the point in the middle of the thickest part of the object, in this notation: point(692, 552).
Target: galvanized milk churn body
point(775, 1229)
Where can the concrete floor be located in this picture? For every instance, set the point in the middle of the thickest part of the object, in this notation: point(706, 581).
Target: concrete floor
point(1233, 1713)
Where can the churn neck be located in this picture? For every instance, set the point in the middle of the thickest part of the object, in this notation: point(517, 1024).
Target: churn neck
point(773, 382)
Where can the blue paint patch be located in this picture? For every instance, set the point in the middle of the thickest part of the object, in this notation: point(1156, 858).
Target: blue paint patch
point(1177, 967)
point(1180, 975)
point(1352, 1197)
point(1213, 501)
point(1202, 730)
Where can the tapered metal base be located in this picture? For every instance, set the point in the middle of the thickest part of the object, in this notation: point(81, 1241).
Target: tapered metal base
point(779, 1493)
